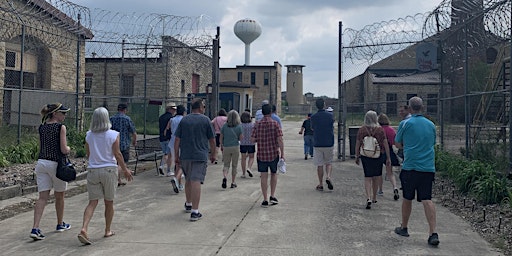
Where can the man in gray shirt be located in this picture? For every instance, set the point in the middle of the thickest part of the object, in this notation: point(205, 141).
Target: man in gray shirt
point(194, 139)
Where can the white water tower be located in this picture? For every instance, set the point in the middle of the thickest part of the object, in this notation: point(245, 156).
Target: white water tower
point(247, 30)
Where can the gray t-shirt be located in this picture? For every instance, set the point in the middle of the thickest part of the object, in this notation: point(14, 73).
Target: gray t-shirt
point(230, 135)
point(194, 132)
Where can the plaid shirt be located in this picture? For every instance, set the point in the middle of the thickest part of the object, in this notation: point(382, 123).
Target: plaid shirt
point(266, 133)
point(124, 125)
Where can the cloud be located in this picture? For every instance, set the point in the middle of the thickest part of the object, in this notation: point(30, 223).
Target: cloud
point(301, 32)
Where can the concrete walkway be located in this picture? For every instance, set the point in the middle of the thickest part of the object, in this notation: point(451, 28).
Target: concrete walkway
point(150, 220)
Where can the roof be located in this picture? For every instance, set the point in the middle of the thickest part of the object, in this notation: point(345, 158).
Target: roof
point(70, 23)
point(404, 77)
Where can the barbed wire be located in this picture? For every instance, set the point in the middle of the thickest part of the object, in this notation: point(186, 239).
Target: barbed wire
point(379, 40)
point(105, 30)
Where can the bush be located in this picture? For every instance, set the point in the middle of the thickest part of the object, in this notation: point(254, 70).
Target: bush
point(474, 177)
point(76, 140)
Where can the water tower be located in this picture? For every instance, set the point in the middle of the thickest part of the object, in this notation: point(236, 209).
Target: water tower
point(247, 30)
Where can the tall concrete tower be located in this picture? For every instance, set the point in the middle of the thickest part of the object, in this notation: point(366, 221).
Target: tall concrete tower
point(247, 30)
point(294, 87)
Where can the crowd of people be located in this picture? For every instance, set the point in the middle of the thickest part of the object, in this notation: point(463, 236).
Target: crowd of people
point(189, 141)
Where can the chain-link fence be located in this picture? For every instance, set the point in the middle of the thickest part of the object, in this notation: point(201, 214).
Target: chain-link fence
point(57, 51)
point(456, 58)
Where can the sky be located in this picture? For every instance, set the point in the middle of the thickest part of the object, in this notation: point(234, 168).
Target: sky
point(294, 32)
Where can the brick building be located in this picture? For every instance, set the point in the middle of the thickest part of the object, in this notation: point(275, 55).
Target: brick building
point(178, 71)
point(266, 79)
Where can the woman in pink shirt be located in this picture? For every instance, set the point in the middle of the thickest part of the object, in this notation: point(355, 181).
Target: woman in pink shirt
point(390, 135)
point(218, 122)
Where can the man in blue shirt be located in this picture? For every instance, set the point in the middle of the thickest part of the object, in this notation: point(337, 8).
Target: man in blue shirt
point(126, 128)
point(417, 137)
point(323, 136)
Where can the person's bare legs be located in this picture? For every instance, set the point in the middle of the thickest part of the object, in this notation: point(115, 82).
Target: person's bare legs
point(244, 163)
point(188, 191)
point(375, 186)
point(430, 213)
point(328, 170)
point(195, 193)
point(59, 206)
point(320, 173)
point(109, 215)
point(273, 184)
point(88, 213)
point(368, 187)
point(406, 212)
point(391, 176)
point(264, 185)
point(39, 207)
point(251, 161)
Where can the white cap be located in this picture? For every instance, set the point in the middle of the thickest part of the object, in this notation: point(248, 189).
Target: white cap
point(329, 109)
point(264, 102)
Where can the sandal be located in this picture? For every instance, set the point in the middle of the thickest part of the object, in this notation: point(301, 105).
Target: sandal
point(84, 239)
point(320, 188)
point(111, 233)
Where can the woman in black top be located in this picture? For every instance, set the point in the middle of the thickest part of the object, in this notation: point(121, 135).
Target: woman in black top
point(53, 144)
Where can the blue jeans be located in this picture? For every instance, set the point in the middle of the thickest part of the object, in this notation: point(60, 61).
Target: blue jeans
point(308, 144)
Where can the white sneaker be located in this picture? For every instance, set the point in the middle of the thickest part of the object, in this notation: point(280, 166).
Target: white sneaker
point(181, 187)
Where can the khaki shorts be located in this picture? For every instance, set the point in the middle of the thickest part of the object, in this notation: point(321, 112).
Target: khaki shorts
point(322, 156)
point(102, 183)
point(46, 180)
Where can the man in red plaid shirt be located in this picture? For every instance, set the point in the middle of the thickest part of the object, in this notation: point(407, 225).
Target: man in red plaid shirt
point(267, 134)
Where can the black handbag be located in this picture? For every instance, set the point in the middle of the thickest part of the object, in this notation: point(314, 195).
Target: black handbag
point(65, 170)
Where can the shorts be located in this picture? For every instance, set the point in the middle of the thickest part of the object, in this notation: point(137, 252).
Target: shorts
point(392, 156)
point(194, 170)
point(263, 166)
point(217, 140)
point(45, 176)
point(102, 183)
point(249, 149)
point(230, 156)
point(322, 155)
point(415, 182)
point(166, 149)
point(372, 167)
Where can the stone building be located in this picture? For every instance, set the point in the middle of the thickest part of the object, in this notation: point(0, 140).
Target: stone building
point(50, 41)
point(266, 79)
point(178, 71)
point(389, 83)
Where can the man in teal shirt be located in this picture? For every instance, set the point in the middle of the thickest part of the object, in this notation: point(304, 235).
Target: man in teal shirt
point(417, 137)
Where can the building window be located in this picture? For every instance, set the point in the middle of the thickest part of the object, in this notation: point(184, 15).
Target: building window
point(266, 76)
point(253, 78)
point(239, 78)
point(87, 91)
point(195, 83)
point(10, 59)
point(432, 104)
point(409, 96)
point(127, 88)
point(391, 104)
point(12, 79)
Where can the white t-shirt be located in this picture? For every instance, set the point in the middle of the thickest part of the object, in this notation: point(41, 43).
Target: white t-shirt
point(100, 148)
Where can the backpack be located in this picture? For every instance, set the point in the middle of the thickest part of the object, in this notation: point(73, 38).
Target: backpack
point(370, 146)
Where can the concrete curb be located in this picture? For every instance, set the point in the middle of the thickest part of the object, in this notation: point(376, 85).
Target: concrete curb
point(18, 190)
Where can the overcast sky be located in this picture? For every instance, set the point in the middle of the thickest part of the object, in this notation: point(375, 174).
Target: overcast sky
point(294, 32)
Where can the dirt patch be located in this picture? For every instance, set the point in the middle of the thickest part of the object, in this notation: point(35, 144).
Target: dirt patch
point(492, 222)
